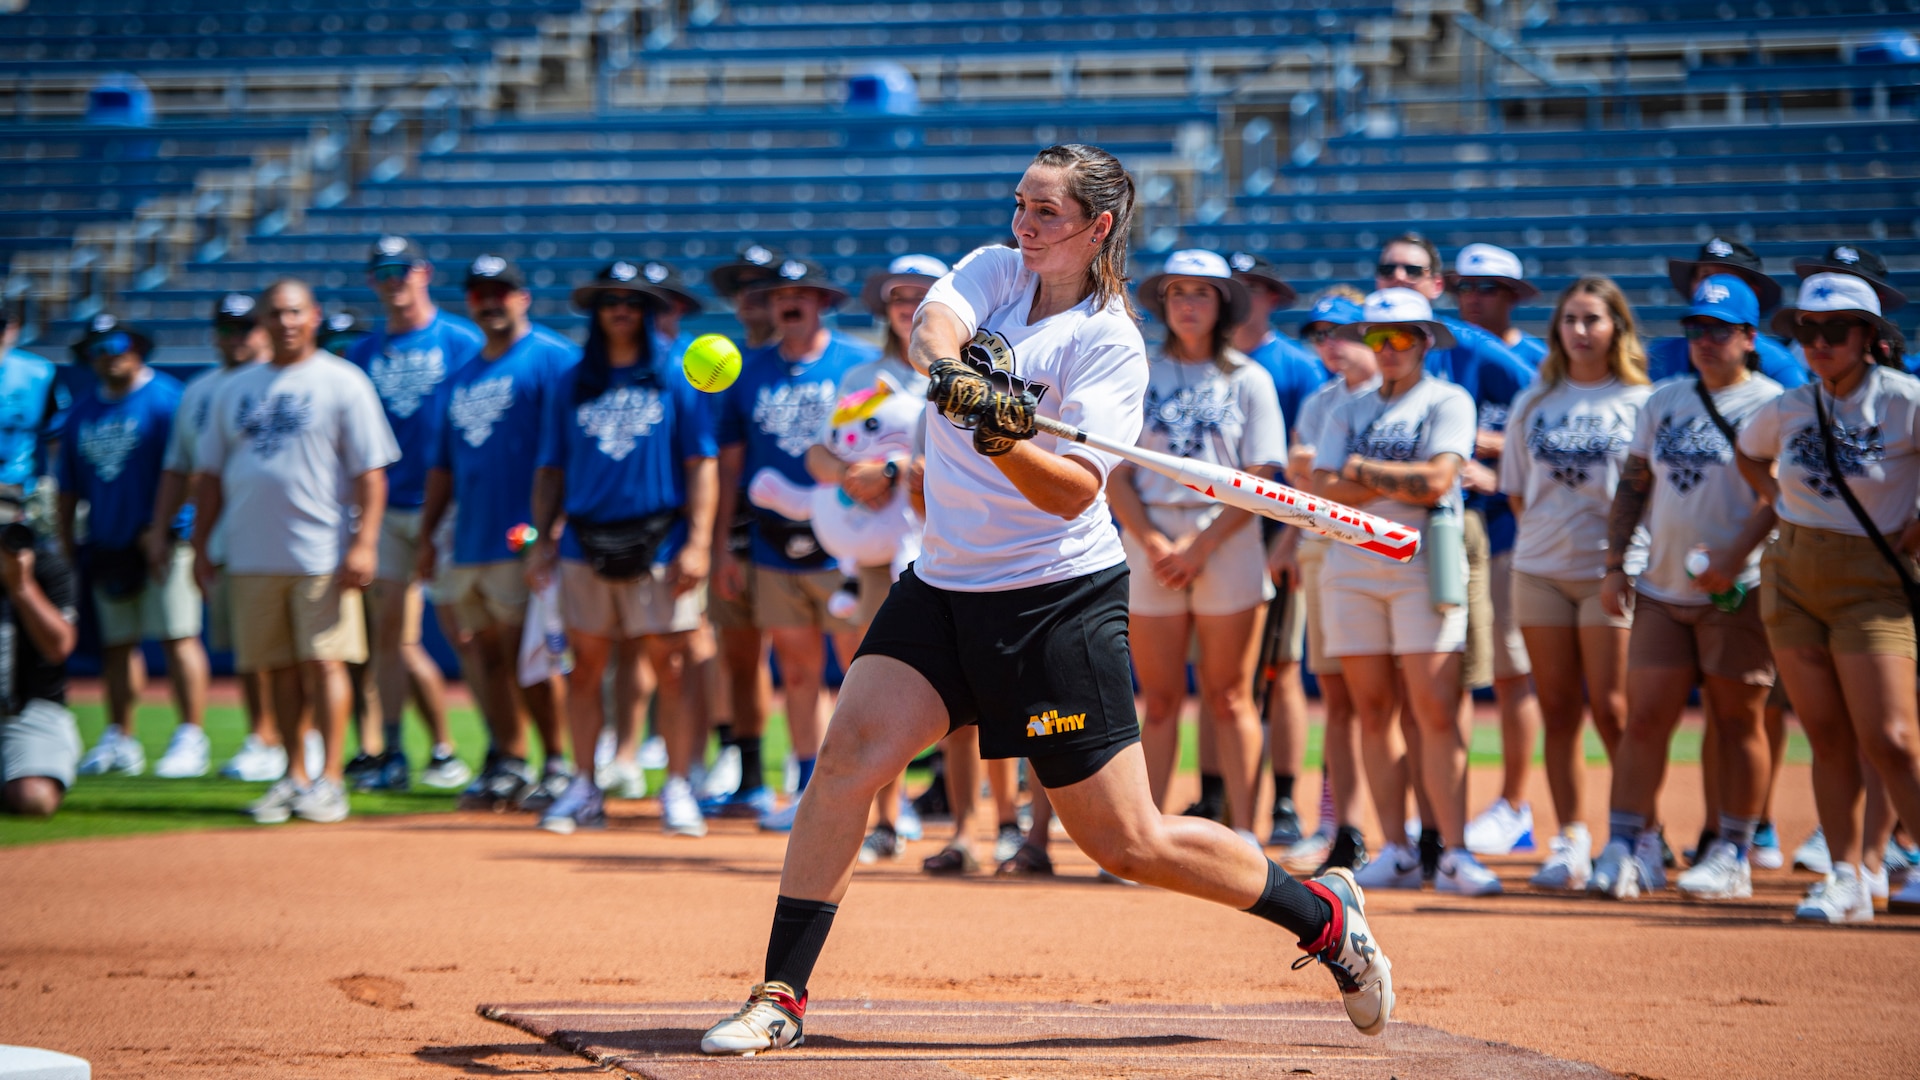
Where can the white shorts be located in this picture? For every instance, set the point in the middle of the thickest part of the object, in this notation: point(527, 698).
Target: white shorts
point(399, 543)
point(1233, 580)
point(1388, 618)
point(163, 611)
point(42, 741)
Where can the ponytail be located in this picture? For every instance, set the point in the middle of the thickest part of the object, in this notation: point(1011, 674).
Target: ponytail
point(1101, 185)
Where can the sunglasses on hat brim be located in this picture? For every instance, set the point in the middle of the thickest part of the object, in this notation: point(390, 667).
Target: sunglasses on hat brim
point(1393, 338)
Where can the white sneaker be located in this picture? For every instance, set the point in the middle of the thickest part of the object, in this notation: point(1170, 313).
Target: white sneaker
point(1907, 900)
point(621, 780)
point(256, 763)
point(1813, 855)
point(188, 754)
point(769, 1021)
point(1876, 882)
point(446, 772)
point(653, 753)
point(1396, 867)
point(116, 752)
point(605, 746)
point(723, 776)
point(1649, 854)
point(1722, 875)
point(1569, 861)
point(1461, 874)
point(1616, 873)
point(314, 748)
point(790, 776)
point(781, 820)
point(906, 824)
point(1413, 832)
point(276, 805)
point(324, 802)
point(1840, 897)
point(1501, 829)
point(1765, 851)
point(1359, 964)
point(679, 810)
point(1308, 852)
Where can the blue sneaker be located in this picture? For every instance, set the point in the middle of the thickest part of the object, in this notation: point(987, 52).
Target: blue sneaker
point(581, 806)
point(390, 772)
point(782, 820)
point(1765, 852)
point(755, 804)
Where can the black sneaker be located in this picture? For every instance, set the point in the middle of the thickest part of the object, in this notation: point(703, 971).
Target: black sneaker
point(538, 798)
point(1431, 848)
point(361, 769)
point(932, 804)
point(1349, 850)
point(1211, 809)
point(1286, 825)
point(392, 774)
point(1700, 847)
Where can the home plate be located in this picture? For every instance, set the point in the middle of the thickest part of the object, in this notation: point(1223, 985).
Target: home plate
point(959, 1040)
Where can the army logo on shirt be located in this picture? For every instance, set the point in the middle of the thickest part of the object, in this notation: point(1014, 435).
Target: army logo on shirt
point(992, 355)
point(477, 406)
point(794, 414)
point(405, 377)
point(1576, 446)
point(107, 443)
point(620, 418)
point(269, 424)
point(1688, 449)
point(1188, 417)
point(1853, 449)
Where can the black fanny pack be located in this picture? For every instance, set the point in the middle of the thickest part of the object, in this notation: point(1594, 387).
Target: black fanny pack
point(793, 539)
point(120, 572)
point(622, 550)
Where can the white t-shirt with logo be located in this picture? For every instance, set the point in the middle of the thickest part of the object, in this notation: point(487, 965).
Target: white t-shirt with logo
point(196, 405)
point(1566, 445)
point(1430, 418)
point(1699, 496)
point(1088, 368)
point(1877, 440)
point(1197, 411)
point(288, 443)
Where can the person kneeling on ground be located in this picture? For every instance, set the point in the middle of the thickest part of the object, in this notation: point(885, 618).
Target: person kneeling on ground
point(39, 743)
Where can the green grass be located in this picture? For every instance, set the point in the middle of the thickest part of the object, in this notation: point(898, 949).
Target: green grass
point(119, 805)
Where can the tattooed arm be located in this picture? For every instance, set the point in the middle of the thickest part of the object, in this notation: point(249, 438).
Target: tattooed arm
point(1629, 505)
point(1759, 476)
point(1417, 483)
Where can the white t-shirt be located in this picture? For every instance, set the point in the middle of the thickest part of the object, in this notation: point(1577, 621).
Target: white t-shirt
point(1565, 463)
point(1430, 418)
point(1875, 433)
point(1699, 496)
point(196, 404)
point(1199, 412)
point(1089, 369)
point(287, 443)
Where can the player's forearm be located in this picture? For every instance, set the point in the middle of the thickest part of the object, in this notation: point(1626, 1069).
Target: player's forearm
point(208, 503)
point(1329, 485)
point(824, 467)
point(169, 497)
point(703, 500)
point(1755, 532)
point(63, 519)
point(1759, 476)
point(368, 494)
point(1629, 505)
point(549, 489)
point(1055, 483)
point(732, 461)
point(52, 635)
point(1416, 483)
point(938, 334)
point(439, 496)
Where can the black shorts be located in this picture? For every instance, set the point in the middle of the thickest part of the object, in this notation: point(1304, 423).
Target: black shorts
point(1043, 671)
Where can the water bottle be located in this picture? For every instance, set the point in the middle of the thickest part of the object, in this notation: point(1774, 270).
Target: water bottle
point(1697, 562)
point(1443, 543)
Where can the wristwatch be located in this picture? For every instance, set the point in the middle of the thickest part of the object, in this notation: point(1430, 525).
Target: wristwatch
point(891, 470)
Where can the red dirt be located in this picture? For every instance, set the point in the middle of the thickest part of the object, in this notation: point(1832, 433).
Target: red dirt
point(363, 949)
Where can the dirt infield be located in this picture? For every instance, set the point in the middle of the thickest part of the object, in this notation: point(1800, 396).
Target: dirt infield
point(364, 949)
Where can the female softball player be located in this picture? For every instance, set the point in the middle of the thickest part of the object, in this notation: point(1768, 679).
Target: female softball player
point(1015, 618)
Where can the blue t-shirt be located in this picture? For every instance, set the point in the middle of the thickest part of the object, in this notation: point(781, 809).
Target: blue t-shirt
point(1531, 350)
point(114, 454)
point(624, 452)
point(1482, 365)
point(491, 440)
point(33, 412)
point(410, 371)
point(778, 409)
point(1296, 370)
point(1667, 357)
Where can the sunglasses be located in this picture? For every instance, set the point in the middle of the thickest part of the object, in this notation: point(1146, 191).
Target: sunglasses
point(621, 301)
point(1384, 339)
point(392, 271)
point(1479, 288)
point(1833, 332)
point(1317, 337)
point(1717, 332)
point(1414, 271)
point(110, 346)
point(232, 329)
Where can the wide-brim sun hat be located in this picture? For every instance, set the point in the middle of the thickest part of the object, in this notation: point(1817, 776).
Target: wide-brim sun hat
point(801, 274)
point(1725, 256)
point(1248, 265)
point(1861, 263)
point(618, 276)
point(1486, 262)
point(1199, 265)
point(1834, 292)
point(1398, 307)
point(753, 262)
point(668, 281)
point(921, 270)
point(103, 327)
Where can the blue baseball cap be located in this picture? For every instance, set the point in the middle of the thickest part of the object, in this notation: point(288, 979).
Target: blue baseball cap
point(1726, 298)
point(1335, 310)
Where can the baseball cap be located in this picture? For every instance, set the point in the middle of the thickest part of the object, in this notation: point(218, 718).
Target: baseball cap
point(1726, 298)
point(235, 308)
point(921, 270)
point(394, 250)
point(1334, 311)
point(1486, 261)
point(495, 268)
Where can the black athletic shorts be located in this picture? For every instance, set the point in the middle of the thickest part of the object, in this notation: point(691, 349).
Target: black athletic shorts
point(1043, 671)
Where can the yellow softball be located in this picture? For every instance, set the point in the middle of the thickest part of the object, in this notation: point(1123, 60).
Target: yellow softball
point(712, 363)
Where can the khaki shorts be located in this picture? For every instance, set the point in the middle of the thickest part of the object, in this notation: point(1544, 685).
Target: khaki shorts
point(1313, 557)
point(735, 614)
point(42, 741)
point(1233, 580)
point(399, 544)
point(1540, 601)
point(875, 583)
point(624, 610)
point(1832, 591)
point(163, 611)
point(1702, 638)
point(790, 599)
point(1476, 663)
point(483, 595)
point(280, 620)
point(1509, 644)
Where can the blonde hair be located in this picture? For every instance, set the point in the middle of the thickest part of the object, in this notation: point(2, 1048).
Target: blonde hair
point(1341, 290)
point(1626, 357)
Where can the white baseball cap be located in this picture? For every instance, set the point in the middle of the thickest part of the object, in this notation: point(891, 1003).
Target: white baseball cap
point(921, 270)
point(1495, 263)
point(1833, 292)
point(1397, 307)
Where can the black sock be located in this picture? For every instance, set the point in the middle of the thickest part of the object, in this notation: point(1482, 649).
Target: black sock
point(723, 732)
point(1282, 787)
point(753, 774)
point(1431, 848)
point(1292, 905)
point(800, 930)
point(394, 739)
point(1213, 789)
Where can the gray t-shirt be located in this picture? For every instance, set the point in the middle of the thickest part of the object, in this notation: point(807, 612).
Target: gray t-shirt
point(1325, 400)
point(196, 404)
point(1199, 412)
point(287, 443)
point(1877, 434)
point(1430, 418)
point(1566, 445)
point(1699, 496)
